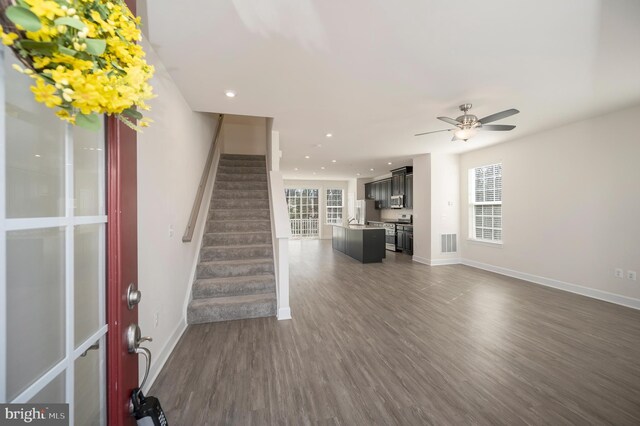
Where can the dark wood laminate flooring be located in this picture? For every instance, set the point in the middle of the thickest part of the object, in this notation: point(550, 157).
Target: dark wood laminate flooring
point(401, 343)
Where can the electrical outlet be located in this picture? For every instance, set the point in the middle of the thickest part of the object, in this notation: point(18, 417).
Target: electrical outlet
point(156, 318)
point(631, 275)
point(618, 273)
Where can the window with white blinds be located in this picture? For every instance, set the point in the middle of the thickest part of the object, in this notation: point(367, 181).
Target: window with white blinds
point(334, 206)
point(485, 199)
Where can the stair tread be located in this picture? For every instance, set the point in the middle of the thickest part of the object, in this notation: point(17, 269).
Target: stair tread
point(239, 280)
point(257, 260)
point(239, 246)
point(239, 232)
point(239, 220)
point(234, 300)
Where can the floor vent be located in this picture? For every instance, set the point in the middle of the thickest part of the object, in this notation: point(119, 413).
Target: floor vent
point(449, 243)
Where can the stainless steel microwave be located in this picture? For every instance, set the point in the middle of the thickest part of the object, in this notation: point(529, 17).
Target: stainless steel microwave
point(397, 201)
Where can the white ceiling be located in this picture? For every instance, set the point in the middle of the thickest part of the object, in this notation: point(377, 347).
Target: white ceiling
point(374, 73)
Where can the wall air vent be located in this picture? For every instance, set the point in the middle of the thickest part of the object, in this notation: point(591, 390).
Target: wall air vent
point(449, 243)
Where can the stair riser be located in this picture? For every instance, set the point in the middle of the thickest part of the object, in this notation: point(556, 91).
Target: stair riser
point(233, 289)
point(238, 203)
point(242, 195)
point(243, 157)
point(238, 226)
point(242, 163)
point(242, 170)
point(228, 313)
point(241, 186)
point(223, 271)
point(211, 240)
point(236, 253)
point(239, 214)
point(226, 177)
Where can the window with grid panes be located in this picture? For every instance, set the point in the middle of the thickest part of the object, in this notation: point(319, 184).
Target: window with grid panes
point(334, 206)
point(485, 196)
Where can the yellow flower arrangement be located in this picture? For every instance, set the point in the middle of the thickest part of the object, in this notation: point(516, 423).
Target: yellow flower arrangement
point(83, 56)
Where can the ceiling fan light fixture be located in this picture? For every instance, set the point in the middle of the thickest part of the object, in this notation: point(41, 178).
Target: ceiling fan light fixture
point(466, 134)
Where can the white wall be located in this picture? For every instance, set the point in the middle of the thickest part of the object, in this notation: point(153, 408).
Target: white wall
point(445, 193)
point(322, 186)
point(171, 157)
point(422, 208)
point(244, 135)
point(571, 204)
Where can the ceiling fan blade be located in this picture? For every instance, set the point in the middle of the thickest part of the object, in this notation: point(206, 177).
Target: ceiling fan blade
point(435, 131)
point(455, 138)
point(449, 120)
point(498, 116)
point(497, 127)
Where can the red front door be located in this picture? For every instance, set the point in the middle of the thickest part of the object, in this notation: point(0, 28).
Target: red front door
point(122, 269)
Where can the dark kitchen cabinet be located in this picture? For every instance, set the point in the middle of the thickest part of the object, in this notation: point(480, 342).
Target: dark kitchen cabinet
point(408, 192)
point(404, 239)
point(398, 178)
point(368, 191)
point(388, 189)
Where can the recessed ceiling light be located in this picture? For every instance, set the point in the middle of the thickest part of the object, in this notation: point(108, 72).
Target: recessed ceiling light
point(389, 163)
point(37, 155)
point(357, 174)
point(295, 168)
point(329, 135)
point(230, 94)
point(333, 161)
point(371, 169)
point(318, 145)
point(307, 157)
point(314, 173)
point(322, 168)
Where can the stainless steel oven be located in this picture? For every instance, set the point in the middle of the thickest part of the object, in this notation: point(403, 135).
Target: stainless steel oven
point(390, 236)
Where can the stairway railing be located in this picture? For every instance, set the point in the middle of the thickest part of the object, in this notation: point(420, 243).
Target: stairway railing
point(193, 217)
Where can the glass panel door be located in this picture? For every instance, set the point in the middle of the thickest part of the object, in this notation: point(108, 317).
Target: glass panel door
point(52, 256)
point(304, 212)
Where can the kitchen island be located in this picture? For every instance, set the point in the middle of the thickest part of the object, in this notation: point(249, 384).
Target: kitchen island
point(363, 243)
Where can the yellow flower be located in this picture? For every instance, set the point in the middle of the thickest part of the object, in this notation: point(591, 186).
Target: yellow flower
point(45, 9)
point(41, 61)
point(45, 93)
point(7, 39)
point(63, 114)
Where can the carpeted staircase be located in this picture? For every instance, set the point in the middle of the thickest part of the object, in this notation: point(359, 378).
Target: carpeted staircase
point(235, 276)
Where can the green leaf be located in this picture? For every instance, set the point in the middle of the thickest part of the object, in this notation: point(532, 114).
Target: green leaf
point(39, 47)
point(130, 112)
point(95, 46)
point(71, 22)
point(90, 122)
point(67, 51)
point(24, 17)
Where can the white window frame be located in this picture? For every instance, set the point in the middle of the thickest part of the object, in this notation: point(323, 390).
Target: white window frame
point(304, 224)
point(492, 214)
point(331, 207)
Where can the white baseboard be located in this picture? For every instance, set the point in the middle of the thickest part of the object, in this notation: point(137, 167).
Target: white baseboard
point(284, 314)
point(162, 357)
point(436, 262)
point(560, 285)
point(420, 260)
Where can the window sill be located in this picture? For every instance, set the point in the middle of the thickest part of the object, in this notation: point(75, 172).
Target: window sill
point(497, 244)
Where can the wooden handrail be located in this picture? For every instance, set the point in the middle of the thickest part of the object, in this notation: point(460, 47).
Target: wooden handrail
point(193, 218)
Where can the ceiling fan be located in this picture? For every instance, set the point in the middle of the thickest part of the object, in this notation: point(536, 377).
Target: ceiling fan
point(467, 125)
